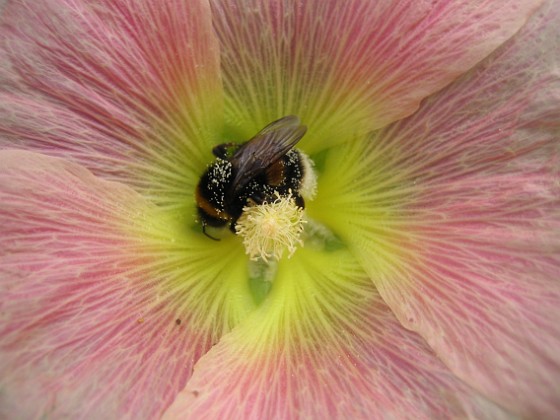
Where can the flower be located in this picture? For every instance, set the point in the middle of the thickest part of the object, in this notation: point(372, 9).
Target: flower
point(427, 285)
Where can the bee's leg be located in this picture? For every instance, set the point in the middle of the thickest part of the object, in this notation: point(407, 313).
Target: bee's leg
point(299, 201)
point(207, 234)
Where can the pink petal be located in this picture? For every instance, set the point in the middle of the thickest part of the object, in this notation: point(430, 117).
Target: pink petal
point(456, 217)
point(350, 67)
point(129, 89)
point(327, 348)
point(105, 305)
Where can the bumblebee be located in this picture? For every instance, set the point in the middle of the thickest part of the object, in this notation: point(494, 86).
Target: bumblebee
point(252, 173)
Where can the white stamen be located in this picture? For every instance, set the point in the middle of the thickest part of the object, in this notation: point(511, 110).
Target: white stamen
point(269, 229)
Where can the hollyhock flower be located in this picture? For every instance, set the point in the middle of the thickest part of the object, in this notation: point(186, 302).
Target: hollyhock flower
point(426, 284)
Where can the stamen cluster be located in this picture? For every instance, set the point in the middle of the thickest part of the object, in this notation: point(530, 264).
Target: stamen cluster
point(270, 228)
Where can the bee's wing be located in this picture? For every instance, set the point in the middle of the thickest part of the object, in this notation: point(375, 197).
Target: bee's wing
point(266, 148)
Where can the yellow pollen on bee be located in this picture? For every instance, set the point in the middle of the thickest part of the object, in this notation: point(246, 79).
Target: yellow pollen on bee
point(269, 229)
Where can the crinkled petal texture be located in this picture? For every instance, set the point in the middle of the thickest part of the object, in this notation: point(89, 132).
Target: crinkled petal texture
point(106, 305)
point(324, 345)
point(352, 66)
point(130, 89)
point(455, 215)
